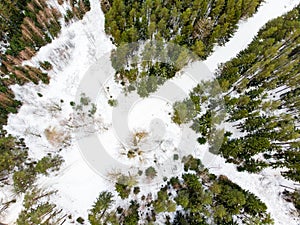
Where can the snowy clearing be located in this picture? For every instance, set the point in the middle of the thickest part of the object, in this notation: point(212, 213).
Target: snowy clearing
point(77, 48)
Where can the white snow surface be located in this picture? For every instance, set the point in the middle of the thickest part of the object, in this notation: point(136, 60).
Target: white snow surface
point(247, 30)
point(79, 46)
point(267, 185)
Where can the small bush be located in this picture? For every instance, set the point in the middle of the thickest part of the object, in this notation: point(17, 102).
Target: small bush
point(80, 220)
point(201, 140)
point(175, 157)
point(46, 65)
point(136, 190)
point(113, 102)
point(150, 172)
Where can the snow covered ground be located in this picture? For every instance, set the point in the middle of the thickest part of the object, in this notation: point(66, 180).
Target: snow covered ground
point(77, 48)
point(266, 185)
point(71, 54)
point(247, 30)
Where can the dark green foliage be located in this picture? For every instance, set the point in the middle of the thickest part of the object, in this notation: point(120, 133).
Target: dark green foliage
point(11, 20)
point(203, 199)
point(100, 214)
point(80, 220)
point(26, 26)
point(37, 209)
point(150, 66)
point(245, 147)
point(7, 103)
point(69, 15)
point(222, 202)
point(150, 172)
point(174, 181)
point(204, 119)
point(13, 154)
point(123, 190)
point(292, 162)
point(182, 198)
point(24, 179)
point(253, 75)
point(113, 102)
point(250, 82)
point(191, 163)
point(13, 15)
point(48, 164)
point(175, 157)
point(234, 199)
point(100, 207)
point(46, 65)
point(163, 203)
point(14, 160)
point(268, 38)
point(252, 165)
point(136, 190)
point(14, 36)
point(183, 219)
point(196, 24)
point(201, 140)
point(132, 216)
point(202, 125)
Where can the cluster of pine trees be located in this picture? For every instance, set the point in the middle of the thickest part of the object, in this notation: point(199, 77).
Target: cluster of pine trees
point(145, 67)
point(197, 24)
point(203, 198)
point(37, 209)
point(262, 98)
point(26, 26)
point(17, 168)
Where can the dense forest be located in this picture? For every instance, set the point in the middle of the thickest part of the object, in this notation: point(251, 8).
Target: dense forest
point(261, 98)
point(26, 26)
point(37, 209)
point(197, 197)
point(195, 25)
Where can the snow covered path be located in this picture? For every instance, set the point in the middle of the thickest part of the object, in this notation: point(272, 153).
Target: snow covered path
point(267, 184)
point(247, 30)
point(245, 33)
point(76, 49)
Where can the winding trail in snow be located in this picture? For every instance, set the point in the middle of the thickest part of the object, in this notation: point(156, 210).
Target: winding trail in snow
point(248, 29)
point(267, 184)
